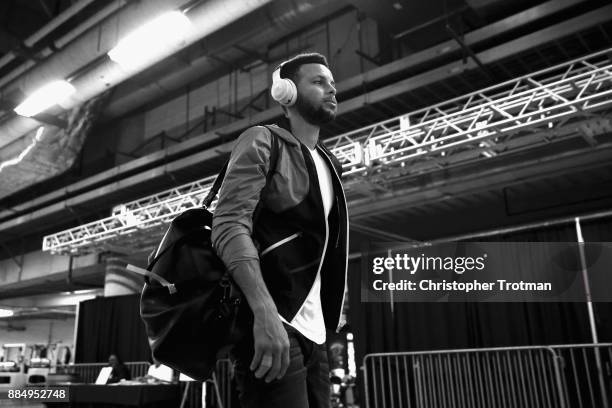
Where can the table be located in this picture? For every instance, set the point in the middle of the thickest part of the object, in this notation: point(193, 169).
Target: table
point(145, 395)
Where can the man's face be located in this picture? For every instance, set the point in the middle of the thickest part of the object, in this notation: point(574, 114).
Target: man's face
point(316, 100)
point(112, 360)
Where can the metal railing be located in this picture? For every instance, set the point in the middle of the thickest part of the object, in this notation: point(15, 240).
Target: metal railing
point(523, 377)
point(218, 390)
point(586, 374)
point(224, 373)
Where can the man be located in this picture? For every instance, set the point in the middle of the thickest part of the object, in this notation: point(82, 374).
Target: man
point(119, 372)
point(289, 256)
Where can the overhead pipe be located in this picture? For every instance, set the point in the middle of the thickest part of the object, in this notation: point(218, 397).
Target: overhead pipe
point(89, 23)
point(92, 46)
point(253, 32)
point(61, 42)
point(47, 28)
point(206, 18)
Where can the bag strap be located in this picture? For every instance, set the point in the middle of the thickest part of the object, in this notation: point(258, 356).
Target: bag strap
point(148, 274)
point(219, 180)
point(209, 198)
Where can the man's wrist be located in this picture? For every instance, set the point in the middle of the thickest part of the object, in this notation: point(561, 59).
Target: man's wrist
point(263, 310)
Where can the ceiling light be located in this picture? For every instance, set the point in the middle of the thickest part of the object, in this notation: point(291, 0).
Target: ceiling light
point(43, 98)
point(6, 313)
point(155, 38)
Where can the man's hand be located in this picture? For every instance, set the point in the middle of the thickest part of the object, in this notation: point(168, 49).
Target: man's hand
point(271, 357)
point(271, 343)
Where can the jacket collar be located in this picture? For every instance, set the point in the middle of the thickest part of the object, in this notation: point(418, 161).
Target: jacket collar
point(284, 134)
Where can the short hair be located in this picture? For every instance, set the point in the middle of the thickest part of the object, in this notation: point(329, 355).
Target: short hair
point(290, 68)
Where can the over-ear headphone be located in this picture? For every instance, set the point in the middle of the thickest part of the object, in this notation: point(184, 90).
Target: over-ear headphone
point(283, 90)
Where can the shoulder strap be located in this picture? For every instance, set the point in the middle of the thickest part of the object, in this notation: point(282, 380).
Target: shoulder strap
point(219, 180)
point(148, 274)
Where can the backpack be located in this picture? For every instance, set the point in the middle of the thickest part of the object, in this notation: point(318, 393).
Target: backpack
point(190, 306)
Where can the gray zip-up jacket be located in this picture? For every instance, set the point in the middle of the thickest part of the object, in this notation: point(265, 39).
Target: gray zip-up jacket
point(290, 238)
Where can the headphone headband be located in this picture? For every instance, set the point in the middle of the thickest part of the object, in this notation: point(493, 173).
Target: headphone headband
point(276, 74)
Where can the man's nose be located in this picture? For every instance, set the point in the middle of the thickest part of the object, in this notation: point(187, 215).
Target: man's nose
point(331, 89)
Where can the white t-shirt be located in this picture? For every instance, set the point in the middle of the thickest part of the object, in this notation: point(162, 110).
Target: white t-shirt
point(309, 319)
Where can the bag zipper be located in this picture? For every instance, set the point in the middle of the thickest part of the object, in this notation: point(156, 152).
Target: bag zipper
point(281, 242)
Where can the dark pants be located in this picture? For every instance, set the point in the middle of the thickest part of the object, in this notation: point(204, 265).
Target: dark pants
point(305, 385)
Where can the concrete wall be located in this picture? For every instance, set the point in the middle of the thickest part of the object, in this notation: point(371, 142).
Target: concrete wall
point(37, 264)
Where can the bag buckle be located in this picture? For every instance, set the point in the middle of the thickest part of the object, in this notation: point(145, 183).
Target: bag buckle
point(226, 285)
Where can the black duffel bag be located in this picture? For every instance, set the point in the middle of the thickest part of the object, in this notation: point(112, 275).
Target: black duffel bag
point(190, 306)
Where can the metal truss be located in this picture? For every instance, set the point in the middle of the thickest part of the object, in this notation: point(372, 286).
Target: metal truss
point(152, 206)
point(516, 114)
point(482, 121)
point(130, 218)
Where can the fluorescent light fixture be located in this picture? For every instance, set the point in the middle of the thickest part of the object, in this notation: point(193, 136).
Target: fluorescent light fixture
point(43, 98)
point(6, 313)
point(151, 41)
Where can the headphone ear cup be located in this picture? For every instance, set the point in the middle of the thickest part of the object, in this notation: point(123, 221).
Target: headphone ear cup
point(284, 91)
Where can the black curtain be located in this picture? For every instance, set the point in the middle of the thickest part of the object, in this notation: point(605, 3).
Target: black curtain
point(600, 230)
point(382, 327)
point(111, 325)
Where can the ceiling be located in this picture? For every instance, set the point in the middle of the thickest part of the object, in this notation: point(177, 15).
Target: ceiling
point(413, 73)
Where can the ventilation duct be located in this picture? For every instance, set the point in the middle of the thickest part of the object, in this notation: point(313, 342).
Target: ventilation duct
point(252, 32)
point(206, 18)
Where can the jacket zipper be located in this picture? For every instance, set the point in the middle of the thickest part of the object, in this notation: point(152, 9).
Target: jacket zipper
point(279, 243)
point(331, 164)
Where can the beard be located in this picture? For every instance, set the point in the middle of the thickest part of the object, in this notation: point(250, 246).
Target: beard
point(315, 115)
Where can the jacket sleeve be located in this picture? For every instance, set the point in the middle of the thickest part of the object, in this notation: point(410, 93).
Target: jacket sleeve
point(240, 192)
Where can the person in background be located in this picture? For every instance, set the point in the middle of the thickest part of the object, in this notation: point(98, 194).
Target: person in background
point(119, 372)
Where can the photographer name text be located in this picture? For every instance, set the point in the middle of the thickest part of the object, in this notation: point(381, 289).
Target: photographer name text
point(465, 287)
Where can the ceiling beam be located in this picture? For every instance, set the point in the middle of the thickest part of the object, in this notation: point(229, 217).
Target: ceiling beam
point(175, 155)
point(483, 178)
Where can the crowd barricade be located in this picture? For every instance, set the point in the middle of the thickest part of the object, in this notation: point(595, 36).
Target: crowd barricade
point(537, 376)
point(586, 374)
point(217, 391)
point(222, 384)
